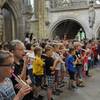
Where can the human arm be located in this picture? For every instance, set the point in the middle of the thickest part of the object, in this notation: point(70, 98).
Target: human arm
point(22, 92)
point(24, 69)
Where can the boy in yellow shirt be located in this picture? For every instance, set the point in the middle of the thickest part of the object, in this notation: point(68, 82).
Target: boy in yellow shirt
point(38, 67)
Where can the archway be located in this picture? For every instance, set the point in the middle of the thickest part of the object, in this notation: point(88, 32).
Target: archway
point(68, 27)
point(9, 22)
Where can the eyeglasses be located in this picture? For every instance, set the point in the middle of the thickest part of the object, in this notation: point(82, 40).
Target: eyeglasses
point(8, 65)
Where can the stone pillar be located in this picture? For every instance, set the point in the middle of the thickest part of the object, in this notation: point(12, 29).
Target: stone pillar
point(27, 14)
point(40, 16)
point(1, 21)
point(46, 17)
point(1, 26)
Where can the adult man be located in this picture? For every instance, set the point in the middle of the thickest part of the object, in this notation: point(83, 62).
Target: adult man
point(6, 87)
point(18, 49)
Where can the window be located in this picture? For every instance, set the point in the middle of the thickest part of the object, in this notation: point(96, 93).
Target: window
point(32, 4)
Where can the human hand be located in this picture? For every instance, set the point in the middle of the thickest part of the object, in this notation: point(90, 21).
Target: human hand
point(22, 92)
point(26, 60)
point(52, 68)
point(18, 86)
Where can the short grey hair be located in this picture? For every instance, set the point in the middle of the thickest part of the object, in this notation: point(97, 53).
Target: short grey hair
point(14, 43)
point(4, 55)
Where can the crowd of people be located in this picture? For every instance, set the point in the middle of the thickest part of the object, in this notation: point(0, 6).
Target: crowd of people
point(27, 67)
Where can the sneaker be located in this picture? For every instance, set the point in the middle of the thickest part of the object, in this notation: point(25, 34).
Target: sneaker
point(34, 98)
point(88, 75)
point(52, 99)
point(80, 85)
point(61, 85)
point(74, 87)
point(60, 91)
point(56, 93)
point(43, 87)
point(40, 97)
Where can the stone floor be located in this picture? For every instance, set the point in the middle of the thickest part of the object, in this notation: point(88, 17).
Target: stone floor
point(90, 92)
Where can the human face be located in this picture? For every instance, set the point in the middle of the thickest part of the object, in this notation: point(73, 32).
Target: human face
point(19, 52)
point(50, 53)
point(79, 47)
point(56, 49)
point(7, 67)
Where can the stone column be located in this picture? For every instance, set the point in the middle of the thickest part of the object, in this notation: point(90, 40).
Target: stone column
point(1, 21)
point(27, 12)
point(39, 11)
point(46, 18)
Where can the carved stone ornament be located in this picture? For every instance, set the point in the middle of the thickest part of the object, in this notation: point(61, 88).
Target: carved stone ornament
point(91, 14)
point(2, 3)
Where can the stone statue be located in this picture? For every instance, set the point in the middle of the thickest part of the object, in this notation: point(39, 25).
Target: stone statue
point(91, 14)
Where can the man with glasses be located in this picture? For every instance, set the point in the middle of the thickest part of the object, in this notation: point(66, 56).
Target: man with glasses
point(20, 60)
point(17, 48)
point(6, 87)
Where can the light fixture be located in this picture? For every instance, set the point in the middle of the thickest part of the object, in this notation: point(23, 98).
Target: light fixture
point(97, 1)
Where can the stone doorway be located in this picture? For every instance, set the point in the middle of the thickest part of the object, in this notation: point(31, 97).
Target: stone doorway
point(68, 27)
point(9, 23)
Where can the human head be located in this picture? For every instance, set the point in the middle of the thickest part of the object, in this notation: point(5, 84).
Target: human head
point(6, 63)
point(56, 47)
point(71, 51)
point(48, 50)
point(38, 51)
point(27, 35)
point(6, 46)
point(28, 46)
point(17, 48)
point(77, 45)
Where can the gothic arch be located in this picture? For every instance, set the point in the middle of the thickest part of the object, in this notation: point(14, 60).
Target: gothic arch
point(64, 18)
point(11, 6)
point(14, 9)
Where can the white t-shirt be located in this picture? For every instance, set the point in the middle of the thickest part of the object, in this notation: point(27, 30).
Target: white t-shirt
point(31, 56)
point(27, 40)
point(56, 56)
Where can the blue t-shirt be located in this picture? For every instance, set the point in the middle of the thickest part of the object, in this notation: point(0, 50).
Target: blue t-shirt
point(69, 63)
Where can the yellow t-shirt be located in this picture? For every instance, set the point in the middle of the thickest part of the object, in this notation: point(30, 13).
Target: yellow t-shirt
point(38, 66)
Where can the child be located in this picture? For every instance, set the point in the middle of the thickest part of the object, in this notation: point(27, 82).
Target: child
point(49, 70)
point(70, 64)
point(38, 69)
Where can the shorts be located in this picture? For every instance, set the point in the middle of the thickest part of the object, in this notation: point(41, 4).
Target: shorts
point(57, 75)
point(72, 75)
point(63, 68)
point(50, 81)
point(38, 80)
